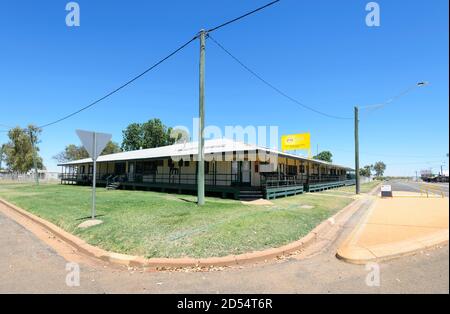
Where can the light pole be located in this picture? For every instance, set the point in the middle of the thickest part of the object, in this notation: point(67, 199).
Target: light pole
point(357, 149)
point(420, 84)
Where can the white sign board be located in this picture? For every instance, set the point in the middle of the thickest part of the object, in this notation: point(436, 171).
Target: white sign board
point(88, 138)
point(386, 188)
point(94, 143)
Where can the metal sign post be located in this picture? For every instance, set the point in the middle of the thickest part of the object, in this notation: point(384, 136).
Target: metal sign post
point(94, 143)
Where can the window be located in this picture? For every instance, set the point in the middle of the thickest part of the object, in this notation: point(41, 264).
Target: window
point(139, 167)
point(302, 168)
point(234, 167)
point(119, 168)
point(149, 167)
point(292, 170)
point(206, 167)
point(186, 163)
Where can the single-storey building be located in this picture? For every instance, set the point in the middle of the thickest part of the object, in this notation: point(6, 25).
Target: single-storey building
point(232, 169)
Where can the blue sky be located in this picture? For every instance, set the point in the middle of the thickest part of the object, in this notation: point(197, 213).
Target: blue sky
point(320, 52)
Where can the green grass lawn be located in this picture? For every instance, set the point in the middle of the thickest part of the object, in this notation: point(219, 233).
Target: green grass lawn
point(170, 225)
point(349, 190)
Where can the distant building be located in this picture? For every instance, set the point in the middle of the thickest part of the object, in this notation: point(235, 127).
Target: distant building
point(426, 173)
point(49, 175)
point(428, 176)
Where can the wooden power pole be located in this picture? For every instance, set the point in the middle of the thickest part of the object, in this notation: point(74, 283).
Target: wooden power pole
point(357, 149)
point(201, 140)
point(33, 147)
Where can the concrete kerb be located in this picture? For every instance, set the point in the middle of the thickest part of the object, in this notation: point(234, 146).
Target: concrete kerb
point(401, 249)
point(170, 263)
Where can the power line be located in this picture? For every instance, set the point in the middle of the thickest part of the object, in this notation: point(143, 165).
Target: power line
point(429, 162)
point(385, 155)
point(120, 87)
point(394, 98)
point(242, 16)
point(274, 87)
point(149, 69)
point(399, 156)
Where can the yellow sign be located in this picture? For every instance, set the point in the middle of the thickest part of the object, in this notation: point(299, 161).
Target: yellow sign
point(296, 141)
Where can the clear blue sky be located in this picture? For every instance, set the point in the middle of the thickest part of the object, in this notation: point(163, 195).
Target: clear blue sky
point(320, 52)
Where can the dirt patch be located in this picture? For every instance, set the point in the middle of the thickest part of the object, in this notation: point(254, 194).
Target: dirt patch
point(89, 223)
point(260, 202)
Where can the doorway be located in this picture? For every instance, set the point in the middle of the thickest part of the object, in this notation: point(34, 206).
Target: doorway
point(241, 173)
point(246, 179)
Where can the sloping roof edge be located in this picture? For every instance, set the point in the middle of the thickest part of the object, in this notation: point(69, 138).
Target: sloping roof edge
point(191, 148)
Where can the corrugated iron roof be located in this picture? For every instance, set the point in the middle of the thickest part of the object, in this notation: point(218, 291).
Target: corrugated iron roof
point(191, 148)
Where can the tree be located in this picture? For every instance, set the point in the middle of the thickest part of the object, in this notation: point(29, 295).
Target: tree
point(379, 168)
point(366, 171)
point(156, 134)
point(132, 137)
point(324, 156)
point(111, 148)
point(2, 150)
point(150, 134)
point(73, 152)
point(22, 149)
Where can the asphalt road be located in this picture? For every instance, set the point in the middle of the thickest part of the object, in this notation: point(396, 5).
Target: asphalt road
point(411, 186)
point(29, 266)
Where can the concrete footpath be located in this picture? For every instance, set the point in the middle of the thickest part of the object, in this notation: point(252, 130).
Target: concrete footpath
point(397, 226)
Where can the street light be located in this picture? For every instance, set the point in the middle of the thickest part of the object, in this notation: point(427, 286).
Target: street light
point(356, 113)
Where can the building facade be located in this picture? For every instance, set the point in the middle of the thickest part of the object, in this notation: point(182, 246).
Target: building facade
point(232, 169)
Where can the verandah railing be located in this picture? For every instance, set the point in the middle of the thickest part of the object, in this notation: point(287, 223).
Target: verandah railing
point(279, 180)
point(275, 180)
point(216, 179)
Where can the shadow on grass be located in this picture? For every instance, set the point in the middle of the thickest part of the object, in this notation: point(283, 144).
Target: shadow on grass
point(88, 217)
point(188, 201)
